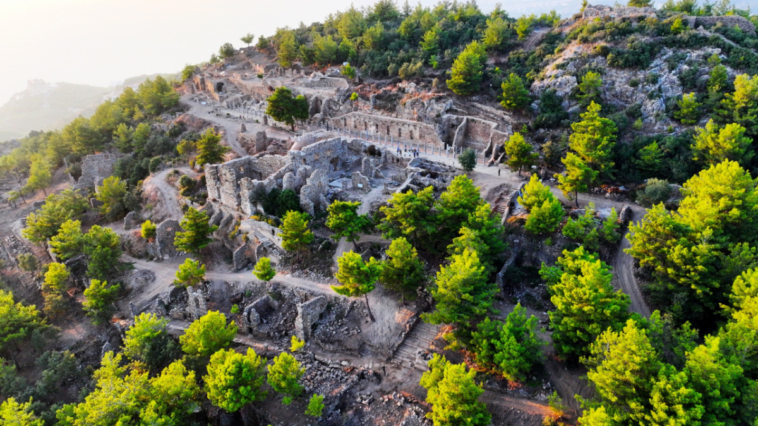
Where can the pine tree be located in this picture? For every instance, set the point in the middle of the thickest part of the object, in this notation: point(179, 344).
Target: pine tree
point(207, 335)
point(468, 70)
point(148, 230)
point(511, 348)
point(545, 219)
point(284, 376)
point(741, 106)
point(718, 79)
point(209, 148)
point(148, 341)
point(689, 109)
point(263, 269)
point(467, 160)
point(611, 226)
point(111, 193)
point(713, 145)
point(578, 177)
point(716, 378)
point(196, 232)
point(13, 413)
point(39, 175)
point(585, 306)
point(234, 380)
point(345, 221)
point(357, 278)
point(247, 39)
point(623, 365)
point(455, 205)
point(534, 194)
point(520, 153)
point(487, 228)
point(461, 291)
point(69, 241)
point(53, 288)
point(99, 299)
point(590, 89)
point(593, 139)
point(17, 321)
point(515, 95)
point(402, 271)
point(315, 406)
point(295, 233)
point(284, 107)
point(190, 274)
point(453, 395)
point(408, 215)
point(287, 51)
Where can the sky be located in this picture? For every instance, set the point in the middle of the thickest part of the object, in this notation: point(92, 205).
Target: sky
point(103, 42)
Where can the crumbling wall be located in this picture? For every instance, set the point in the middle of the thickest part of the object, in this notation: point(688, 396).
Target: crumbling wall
point(388, 127)
point(319, 82)
point(165, 234)
point(599, 11)
point(95, 168)
point(728, 21)
point(307, 314)
point(232, 183)
point(196, 303)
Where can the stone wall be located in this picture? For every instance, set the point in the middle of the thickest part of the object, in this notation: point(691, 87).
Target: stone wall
point(165, 233)
point(231, 183)
point(599, 11)
point(95, 168)
point(326, 83)
point(727, 21)
point(307, 314)
point(389, 127)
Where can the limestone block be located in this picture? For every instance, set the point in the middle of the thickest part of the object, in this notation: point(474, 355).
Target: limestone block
point(242, 257)
point(164, 238)
point(307, 314)
point(290, 181)
point(131, 221)
point(361, 182)
point(196, 303)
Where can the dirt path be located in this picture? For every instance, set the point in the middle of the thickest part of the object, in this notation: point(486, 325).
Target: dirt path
point(231, 126)
point(534, 39)
point(165, 272)
point(169, 195)
point(623, 277)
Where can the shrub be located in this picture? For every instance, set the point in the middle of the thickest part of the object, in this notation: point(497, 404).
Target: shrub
point(656, 191)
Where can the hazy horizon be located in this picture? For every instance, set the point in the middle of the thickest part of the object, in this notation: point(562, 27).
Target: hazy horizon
point(103, 42)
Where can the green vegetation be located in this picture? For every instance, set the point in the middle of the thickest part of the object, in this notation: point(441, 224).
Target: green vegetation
point(148, 230)
point(234, 379)
point(284, 107)
point(296, 235)
point(209, 149)
point(99, 299)
point(402, 271)
point(284, 375)
point(315, 406)
point(196, 234)
point(357, 278)
point(585, 302)
point(345, 221)
point(468, 69)
point(515, 95)
point(263, 269)
point(453, 394)
point(511, 348)
point(520, 153)
point(190, 273)
point(467, 160)
point(207, 335)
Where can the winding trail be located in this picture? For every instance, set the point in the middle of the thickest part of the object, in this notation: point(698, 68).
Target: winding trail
point(167, 191)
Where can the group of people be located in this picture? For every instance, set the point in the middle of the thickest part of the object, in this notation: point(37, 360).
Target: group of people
point(412, 152)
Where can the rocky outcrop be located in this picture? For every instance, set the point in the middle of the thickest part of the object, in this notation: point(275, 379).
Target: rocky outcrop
point(165, 234)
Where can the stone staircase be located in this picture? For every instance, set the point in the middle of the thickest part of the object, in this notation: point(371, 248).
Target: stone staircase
point(414, 351)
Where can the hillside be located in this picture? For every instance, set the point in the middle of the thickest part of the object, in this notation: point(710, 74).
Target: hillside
point(419, 216)
point(50, 106)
